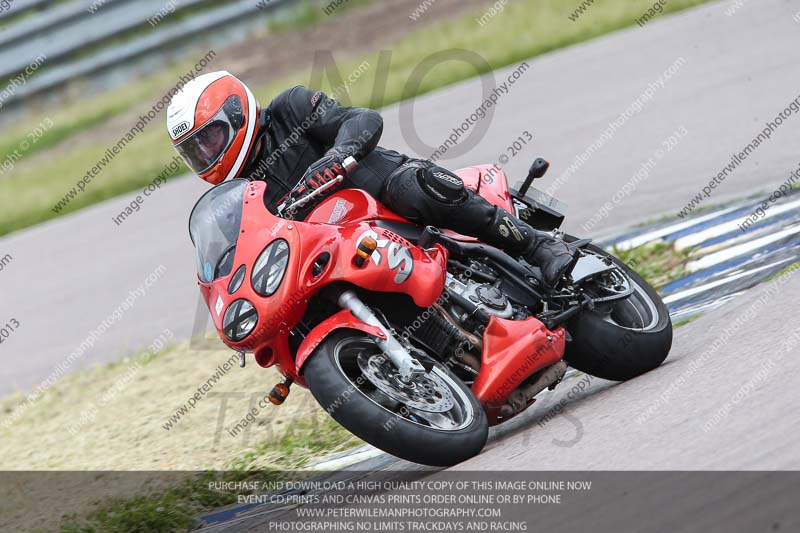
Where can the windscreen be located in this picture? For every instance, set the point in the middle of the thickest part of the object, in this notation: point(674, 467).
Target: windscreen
point(214, 227)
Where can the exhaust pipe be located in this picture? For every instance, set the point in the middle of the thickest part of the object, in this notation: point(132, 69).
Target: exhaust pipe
point(518, 399)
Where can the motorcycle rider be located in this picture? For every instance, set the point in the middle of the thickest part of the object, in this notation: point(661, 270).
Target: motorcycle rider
point(220, 130)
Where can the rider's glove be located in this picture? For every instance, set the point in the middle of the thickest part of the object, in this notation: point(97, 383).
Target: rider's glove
point(332, 165)
point(322, 172)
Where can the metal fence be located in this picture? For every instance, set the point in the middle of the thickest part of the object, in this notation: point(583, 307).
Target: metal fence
point(81, 38)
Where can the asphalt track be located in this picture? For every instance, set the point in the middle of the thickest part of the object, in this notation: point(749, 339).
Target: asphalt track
point(67, 276)
point(715, 405)
point(719, 407)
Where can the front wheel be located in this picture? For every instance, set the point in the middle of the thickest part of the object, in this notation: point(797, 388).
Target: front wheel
point(434, 420)
point(622, 339)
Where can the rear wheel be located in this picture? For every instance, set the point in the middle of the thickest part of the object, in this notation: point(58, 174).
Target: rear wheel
point(622, 339)
point(434, 420)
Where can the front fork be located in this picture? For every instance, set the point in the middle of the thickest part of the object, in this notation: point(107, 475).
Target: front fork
point(407, 366)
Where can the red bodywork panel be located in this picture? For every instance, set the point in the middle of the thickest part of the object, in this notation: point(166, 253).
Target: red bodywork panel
point(342, 319)
point(512, 350)
point(351, 206)
point(396, 266)
point(490, 182)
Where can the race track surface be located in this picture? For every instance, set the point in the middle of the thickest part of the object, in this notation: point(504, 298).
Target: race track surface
point(713, 405)
point(736, 73)
point(721, 402)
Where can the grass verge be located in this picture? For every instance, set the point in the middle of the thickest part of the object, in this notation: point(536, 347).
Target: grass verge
point(522, 30)
point(176, 508)
point(790, 268)
point(658, 263)
point(109, 421)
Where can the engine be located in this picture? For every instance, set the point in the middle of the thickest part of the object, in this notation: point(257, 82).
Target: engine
point(485, 296)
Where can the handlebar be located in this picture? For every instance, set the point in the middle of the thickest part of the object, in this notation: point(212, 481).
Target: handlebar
point(349, 165)
point(300, 202)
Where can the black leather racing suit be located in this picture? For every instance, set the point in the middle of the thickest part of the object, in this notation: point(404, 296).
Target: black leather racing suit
point(301, 125)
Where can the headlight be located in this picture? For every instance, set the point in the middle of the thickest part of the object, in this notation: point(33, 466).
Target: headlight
point(239, 321)
point(237, 279)
point(270, 268)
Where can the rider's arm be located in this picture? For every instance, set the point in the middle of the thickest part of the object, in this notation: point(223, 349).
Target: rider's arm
point(350, 131)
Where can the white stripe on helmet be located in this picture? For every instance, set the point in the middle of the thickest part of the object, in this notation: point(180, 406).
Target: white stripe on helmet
point(181, 110)
point(251, 128)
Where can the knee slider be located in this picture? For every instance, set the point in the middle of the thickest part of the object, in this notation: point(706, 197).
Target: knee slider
point(442, 185)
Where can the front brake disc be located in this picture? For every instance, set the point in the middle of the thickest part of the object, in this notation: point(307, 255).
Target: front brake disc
point(426, 392)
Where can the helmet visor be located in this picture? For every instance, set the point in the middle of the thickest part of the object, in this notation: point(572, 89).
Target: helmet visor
point(205, 147)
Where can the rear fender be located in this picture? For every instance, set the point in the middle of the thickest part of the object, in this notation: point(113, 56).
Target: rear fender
point(490, 182)
point(344, 319)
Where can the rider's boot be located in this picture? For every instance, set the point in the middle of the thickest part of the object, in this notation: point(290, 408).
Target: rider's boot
point(549, 253)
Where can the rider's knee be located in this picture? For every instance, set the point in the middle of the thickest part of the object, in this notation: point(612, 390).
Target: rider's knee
point(425, 191)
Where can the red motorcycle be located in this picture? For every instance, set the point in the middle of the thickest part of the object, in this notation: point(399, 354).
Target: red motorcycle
point(414, 339)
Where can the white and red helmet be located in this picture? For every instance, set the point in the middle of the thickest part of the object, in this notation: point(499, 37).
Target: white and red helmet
point(213, 124)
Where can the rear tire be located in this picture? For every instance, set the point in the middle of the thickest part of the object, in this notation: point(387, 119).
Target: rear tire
point(610, 351)
point(348, 403)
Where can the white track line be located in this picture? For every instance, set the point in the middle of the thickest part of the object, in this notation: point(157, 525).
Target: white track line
point(727, 227)
point(655, 235)
point(736, 251)
point(697, 253)
point(348, 460)
point(724, 281)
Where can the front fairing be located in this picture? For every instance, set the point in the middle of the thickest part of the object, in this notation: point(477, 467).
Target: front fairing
point(397, 266)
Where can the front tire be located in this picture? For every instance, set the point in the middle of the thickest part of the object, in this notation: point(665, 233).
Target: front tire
point(625, 339)
point(342, 375)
